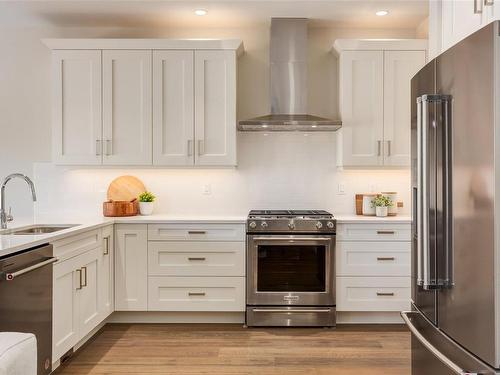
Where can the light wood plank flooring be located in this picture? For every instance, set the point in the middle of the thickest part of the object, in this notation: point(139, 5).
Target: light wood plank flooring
point(233, 350)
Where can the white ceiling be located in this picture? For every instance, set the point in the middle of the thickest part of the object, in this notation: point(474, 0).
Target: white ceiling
point(221, 14)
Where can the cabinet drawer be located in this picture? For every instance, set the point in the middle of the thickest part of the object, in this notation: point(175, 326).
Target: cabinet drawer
point(188, 258)
point(373, 293)
point(75, 245)
point(196, 293)
point(373, 258)
point(374, 232)
point(196, 232)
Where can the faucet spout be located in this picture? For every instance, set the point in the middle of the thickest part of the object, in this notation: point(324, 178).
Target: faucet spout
point(4, 217)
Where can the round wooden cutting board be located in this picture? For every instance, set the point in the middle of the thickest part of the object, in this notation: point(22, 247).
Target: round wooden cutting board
point(125, 188)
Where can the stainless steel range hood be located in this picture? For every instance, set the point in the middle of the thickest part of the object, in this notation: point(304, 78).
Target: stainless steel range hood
point(288, 58)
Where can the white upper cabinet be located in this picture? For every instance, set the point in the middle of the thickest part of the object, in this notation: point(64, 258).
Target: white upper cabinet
point(215, 107)
point(173, 108)
point(361, 104)
point(144, 101)
point(399, 67)
point(76, 107)
point(127, 107)
point(374, 97)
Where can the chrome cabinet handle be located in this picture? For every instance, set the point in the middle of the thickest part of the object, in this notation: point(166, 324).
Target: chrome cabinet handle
point(477, 10)
point(98, 147)
point(196, 293)
point(79, 279)
point(190, 147)
point(385, 294)
point(197, 232)
point(84, 269)
point(386, 258)
point(385, 232)
point(379, 152)
point(9, 276)
point(194, 258)
point(429, 346)
point(489, 2)
point(106, 245)
point(201, 147)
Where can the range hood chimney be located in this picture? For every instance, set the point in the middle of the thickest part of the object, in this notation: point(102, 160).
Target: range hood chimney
point(288, 83)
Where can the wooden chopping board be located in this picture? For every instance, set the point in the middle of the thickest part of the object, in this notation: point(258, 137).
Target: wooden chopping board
point(125, 188)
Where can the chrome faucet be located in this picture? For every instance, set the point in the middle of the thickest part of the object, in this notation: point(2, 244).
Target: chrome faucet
point(7, 217)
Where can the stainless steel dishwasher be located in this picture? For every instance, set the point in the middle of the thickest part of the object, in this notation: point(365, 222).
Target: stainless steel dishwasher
point(26, 298)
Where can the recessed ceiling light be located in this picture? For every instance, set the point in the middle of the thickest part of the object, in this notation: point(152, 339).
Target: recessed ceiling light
point(200, 12)
point(382, 13)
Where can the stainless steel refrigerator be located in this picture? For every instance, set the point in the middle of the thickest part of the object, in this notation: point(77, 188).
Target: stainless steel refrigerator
point(455, 143)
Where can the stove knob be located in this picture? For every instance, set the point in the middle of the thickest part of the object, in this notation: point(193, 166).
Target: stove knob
point(252, 225)
point(330, 224)
point(264, 224)
point(319, 225)
point(291, 225)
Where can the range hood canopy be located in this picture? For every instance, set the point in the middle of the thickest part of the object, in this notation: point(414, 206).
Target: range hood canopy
point(288, 82)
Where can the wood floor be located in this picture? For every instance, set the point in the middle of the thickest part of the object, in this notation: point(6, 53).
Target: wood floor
point(231, 349)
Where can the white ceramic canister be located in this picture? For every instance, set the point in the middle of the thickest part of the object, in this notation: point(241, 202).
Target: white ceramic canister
point(393, 196)
point(368, 208)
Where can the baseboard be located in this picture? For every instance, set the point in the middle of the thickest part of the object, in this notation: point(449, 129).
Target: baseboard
point(176, 317)
point(376, 317)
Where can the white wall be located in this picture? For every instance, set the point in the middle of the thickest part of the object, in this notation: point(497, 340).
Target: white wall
point(285, 171)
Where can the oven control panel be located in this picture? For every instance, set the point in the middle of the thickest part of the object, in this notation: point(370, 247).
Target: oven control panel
point(262, 225)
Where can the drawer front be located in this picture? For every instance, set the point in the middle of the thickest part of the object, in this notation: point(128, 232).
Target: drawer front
point(78, 244)
point(373, 258)
point(196, 232)
point(186, 258)
point(373, 293)
point(196, 293)
point(374, 232)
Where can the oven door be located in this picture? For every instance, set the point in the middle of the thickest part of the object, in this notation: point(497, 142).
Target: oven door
point(291, 270)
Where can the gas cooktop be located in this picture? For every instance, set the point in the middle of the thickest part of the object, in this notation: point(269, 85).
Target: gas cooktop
point(290, 221)
point(289, 213)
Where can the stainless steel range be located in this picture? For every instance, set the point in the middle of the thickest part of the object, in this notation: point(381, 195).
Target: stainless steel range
point(290, 268)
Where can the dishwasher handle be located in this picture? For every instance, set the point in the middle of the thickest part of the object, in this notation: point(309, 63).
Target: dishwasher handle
point(10, 276)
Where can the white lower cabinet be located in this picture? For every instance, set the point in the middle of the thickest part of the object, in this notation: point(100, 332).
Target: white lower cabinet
point(131, 267)
point(106, 273)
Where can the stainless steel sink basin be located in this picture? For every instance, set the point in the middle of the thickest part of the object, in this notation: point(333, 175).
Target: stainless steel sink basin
point(37, 229)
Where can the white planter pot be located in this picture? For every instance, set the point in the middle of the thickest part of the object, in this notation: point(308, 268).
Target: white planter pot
point(146, 208)
point(381, 211)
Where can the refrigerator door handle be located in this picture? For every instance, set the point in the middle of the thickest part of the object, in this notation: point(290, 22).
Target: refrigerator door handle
point(418, 213)
point(449, 363)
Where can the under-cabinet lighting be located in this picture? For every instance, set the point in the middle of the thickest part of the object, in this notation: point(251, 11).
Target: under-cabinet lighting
point(382, 13)
point(200, 12)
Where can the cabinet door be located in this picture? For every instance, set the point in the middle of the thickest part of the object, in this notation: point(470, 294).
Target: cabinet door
point(399, 68)
point(76, 110)
point(173, 108)
point(361, 104)
point(65, 307)
point(106, 273)
point(88, 296)
point(131, 267)
point(459, 19)
point(127, 107)
point(215, 107)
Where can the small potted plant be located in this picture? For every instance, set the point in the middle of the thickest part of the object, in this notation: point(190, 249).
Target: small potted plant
point(381, 204)
point(146, 200)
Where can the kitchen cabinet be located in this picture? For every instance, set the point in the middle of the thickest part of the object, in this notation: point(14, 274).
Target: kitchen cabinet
point(127, 107)
point(131, 267)
point(76, 107)
point(144, 102)
point(374, 98)
point(106, 273)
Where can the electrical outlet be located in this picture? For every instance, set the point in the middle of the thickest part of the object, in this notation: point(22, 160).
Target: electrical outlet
point(207, 189)
point(341, 188)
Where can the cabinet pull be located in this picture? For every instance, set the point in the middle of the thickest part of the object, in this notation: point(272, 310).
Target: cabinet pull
point(196, 293)
point(378, 148)
point(106, 245)
point(477, 10)
point(388, 148)
point(98, 147)
point(79, 279)
point(386, 258)
point(201, 147)
point(385, 294)
point(190, 147)
point(200, 258)
point(197, 232)
point(108, 147)
point(84, 269)
point(385, 232)
point(489, 2)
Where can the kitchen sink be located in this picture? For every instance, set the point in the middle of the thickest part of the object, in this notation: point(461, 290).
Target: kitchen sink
point(37, 229)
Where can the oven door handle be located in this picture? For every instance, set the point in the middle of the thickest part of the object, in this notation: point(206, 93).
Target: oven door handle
point(9, 276)
point(292, 239)
point(293, 311)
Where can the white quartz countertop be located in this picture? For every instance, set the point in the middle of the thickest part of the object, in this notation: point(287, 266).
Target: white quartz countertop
point(10, 244)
